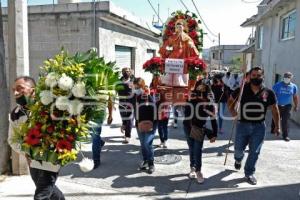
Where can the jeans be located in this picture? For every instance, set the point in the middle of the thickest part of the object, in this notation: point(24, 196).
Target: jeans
point(285, 114)
point(175, 109)
point(221, 111)
point(195, 150)
point(45, 185)
point(163, 130)
point(146, 140)
point(251, 134)
point(97, 142)
point(127, 121)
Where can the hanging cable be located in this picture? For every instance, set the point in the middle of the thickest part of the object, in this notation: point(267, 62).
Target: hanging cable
point(244, 1)
point(213, 34)
point(155, 11)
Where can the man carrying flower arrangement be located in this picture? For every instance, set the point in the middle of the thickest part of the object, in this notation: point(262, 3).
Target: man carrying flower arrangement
point(44, 180)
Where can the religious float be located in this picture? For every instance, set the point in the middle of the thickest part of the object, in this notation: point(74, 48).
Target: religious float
point(176, 71)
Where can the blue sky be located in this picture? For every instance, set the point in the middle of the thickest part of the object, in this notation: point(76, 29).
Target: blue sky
point(224, 16)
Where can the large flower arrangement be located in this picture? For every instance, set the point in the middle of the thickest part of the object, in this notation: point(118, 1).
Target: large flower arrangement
point(195, 67)
point(155, 66)
point(193, 29)
point(72, 90)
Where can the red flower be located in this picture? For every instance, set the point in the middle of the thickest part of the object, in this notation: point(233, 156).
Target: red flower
point(156, 60)
point(50, 129)
point(33, 137)
point(193, 34)
point(181, 17)
point(38, 126)
point(62, 145)
point(44, 113)
point(192, 22)
point(171, 24)
point(70, 138)
point(168, 32)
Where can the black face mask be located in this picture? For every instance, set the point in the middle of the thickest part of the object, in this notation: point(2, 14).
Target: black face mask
point(256, 81)
point(22, 100)
point(125, 75)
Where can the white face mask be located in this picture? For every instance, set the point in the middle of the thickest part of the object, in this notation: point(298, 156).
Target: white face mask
point(286, 80)
point(138, 91)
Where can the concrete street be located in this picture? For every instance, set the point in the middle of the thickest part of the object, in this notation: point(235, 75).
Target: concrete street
point(278, 172)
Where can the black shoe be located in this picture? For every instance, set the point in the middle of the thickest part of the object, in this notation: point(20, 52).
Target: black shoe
point(251, 180)
point(151, 169)
point(237, 165)
point(144, 165)
point(96, 164)
point(287, 139)
point(102, 143)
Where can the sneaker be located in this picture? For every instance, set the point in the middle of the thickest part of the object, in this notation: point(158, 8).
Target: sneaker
point(199, 177)
point(175, 125)
point(127, 140)
point(251, 180)
point(165, 145)
point(143, 166)
point(162, 144)
point(102, 143)
point(192, 173)
point(96, 164)
point(287, 139)
point(221, 131)
point(151, 169)
point(237, 165)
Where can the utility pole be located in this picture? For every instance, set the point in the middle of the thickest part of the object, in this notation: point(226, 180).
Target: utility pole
point(220, 51)
point(18, 54)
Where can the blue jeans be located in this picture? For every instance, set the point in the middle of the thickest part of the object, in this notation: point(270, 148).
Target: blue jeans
point(97, 142)
point(251, 134)
point(146, 140)
point(195, 150)
point(163, 130)
point(221, 111)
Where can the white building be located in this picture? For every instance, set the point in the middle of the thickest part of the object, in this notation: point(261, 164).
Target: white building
point(118, 35)
point(277, 40)
point(223, 55)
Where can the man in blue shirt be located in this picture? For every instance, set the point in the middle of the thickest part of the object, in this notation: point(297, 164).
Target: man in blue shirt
point(286, 93)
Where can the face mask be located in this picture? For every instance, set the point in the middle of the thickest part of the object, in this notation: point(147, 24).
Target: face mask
point(256, 81)
point(125, 75)
point(286, 80)
point(22, 100)
point(138, 91)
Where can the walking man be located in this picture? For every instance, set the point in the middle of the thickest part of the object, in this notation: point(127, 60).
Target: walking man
point(126, 101)
point(250, 129)
point(44, 180)
point(286, 93)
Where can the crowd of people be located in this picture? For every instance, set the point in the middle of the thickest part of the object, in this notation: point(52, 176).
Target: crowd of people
point(141, 106)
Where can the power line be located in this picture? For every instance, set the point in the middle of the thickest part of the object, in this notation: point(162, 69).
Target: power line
point(155, 11)
point(244, 1)
point(212, 33)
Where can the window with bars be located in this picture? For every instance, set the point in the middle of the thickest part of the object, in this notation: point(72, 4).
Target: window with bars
point(288, 25)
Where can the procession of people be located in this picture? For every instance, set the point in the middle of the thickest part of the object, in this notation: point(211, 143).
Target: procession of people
point(200, 98)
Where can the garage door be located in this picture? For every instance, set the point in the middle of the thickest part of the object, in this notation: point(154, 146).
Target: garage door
point(123, 56)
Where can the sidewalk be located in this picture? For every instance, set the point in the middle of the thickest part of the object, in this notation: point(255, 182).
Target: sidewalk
point(278, 172)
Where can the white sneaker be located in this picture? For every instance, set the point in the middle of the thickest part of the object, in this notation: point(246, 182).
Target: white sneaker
point(192, 173)
point(200, 178)
point(162, 144)
point(175, 125)
point(165, 145)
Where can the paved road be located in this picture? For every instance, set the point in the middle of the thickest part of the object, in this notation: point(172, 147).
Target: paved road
point(278, 172)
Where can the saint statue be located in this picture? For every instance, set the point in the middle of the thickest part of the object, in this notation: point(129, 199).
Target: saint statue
point(180, 45)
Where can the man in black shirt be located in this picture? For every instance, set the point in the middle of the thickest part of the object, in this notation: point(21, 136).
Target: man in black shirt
point(250, 130)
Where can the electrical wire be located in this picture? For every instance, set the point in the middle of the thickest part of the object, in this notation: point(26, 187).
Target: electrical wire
point(212, 33)
point(155, 11)
point(244, 1)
